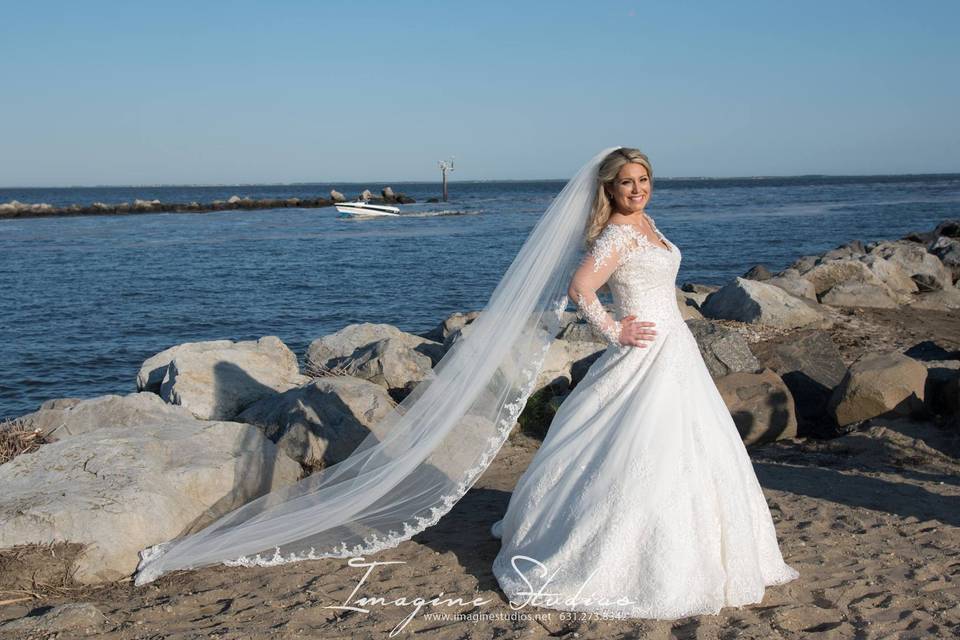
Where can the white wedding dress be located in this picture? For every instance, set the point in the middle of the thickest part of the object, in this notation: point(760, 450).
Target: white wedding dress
point(641, 501)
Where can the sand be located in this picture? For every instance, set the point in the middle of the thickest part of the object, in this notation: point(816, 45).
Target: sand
point(870, 519)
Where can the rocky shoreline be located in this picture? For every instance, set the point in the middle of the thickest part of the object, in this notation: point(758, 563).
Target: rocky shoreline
point(16, 209)
point(842, 373)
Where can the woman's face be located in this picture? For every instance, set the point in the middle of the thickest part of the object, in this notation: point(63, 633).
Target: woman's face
point(630, 190)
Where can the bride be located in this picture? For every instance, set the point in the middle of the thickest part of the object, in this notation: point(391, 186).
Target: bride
point(641, 501)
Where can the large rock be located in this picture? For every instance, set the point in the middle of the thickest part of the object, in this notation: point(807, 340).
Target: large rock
point(803, 264)
point(948, 251)
point(390, 363)
point(334, 350)
point(940, 393)
point(793, 283)
point(811, 366)
point(154, 368)
point(889, 273)
point(878, 384)
point(724, 350)
point(118, 490)
point(70, 417)
point(850, 282)
point(944, 299)
point(849, 250)
point(453, 322)
point(858, 294)
point(829, 274)
point(697, 292)
point(217, 384)
point(948, 228)
point(758, 302)
point(689, 305)
point(454, 336)
point(761, 405)
point(560, 360)
point(757, 272)
point(322, 422)
point(915, 261)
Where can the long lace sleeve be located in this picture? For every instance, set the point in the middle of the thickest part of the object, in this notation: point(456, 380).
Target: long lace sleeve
point(596, 268)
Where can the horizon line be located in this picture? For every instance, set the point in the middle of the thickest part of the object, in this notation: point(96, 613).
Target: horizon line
point(391, 182)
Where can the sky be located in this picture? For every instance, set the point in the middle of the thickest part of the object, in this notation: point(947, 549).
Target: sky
point(136, 93)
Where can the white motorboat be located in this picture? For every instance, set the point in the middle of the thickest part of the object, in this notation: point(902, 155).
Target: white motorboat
point(362, 208)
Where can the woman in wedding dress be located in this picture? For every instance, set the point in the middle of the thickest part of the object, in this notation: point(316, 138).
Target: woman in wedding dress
point(641, 501)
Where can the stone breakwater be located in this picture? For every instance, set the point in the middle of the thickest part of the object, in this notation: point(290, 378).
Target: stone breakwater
point(16, 209)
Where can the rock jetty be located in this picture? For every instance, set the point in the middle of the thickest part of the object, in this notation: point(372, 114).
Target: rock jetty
point(16, 209)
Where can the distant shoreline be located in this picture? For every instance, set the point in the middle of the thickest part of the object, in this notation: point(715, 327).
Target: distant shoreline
point(867, 177)
point(19, 210)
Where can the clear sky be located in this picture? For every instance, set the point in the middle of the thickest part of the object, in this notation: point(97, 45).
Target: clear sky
point(207, 92)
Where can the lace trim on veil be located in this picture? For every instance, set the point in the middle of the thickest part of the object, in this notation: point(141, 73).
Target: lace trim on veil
point(375, 543)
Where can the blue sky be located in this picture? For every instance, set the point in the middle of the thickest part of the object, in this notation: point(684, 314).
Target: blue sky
point(228, 92)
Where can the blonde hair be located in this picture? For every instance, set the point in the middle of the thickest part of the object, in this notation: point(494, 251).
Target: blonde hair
point(606, 174)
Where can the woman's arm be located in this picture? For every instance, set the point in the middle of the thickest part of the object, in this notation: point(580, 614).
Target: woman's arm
point(595, 269)
point(592, 273)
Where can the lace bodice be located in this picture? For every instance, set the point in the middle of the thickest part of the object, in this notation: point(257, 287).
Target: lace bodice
point(641, 275)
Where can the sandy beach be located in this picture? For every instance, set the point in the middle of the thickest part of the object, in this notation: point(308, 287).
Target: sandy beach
point(870, 519)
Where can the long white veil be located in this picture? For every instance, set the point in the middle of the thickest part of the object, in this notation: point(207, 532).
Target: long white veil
point(424, 456)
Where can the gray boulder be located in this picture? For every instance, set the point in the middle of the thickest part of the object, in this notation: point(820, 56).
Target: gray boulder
point(154, 368)
point(858, 294)
point(118, 490)
point(849, 282)
point(805, 263)
point(879, 384)
point(811, 366)
point(849, 250)
point(758, 302)
point(889, 273)
point(946, 299)
point(793, 283)
point(948, 228)
point(829, 274)
point(761, 406)
point(758, 272)
point(217, 384)
point(389, 363)
point(948, 251)
point(724, 350)
point(453, 322)
point(915, 260)
point(689, 305)
point(70, 417)
point(560, 360)
point(697, 292)
point(334, 350)
point(322, 422)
